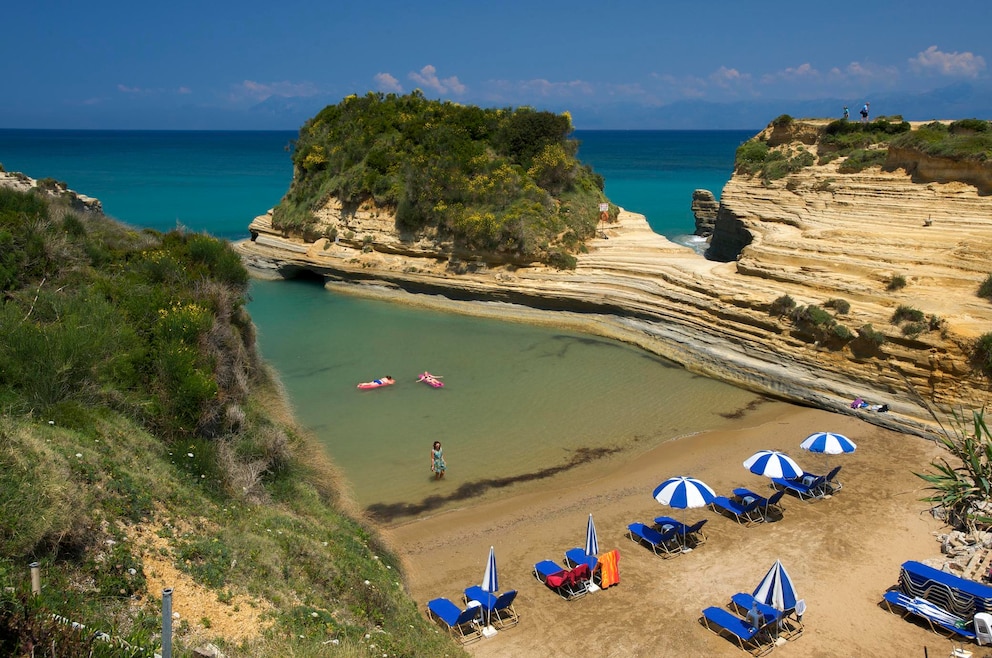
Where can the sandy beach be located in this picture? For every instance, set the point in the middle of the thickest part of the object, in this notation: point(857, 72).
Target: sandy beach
point(842, 552)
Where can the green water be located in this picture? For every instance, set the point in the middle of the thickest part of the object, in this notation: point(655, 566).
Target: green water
point(518, 399)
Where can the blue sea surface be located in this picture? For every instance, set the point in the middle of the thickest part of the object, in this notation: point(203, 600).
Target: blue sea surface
point(518, 399)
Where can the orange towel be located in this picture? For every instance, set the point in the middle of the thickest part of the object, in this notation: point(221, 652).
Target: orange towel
point(609, 568)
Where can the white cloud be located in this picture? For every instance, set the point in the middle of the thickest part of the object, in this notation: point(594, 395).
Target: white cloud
point(724, 77)
point(802, 73)
point(548, 89)
point(427, 77)
point(388, 83)
point(262, 90)
point(185, 90)
point(124, 89)
point(931, 60)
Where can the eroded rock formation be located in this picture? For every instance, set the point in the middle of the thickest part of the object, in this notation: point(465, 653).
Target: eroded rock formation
point(817, 236)
point(705, 208)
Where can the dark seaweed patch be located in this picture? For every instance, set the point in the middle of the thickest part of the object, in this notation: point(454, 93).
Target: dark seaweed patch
point(384, 513)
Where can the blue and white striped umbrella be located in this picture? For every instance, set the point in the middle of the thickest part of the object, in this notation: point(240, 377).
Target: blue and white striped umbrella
point(773, 464)
point(490, 581)
point(831, 444)
point(684, 492)
point(776, 589)
point(592, 541)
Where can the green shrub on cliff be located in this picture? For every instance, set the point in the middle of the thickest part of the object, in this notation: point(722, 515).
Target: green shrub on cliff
point(131, 398)
point(964, 487)
point(499, 181)
point(985, 289)
point(982, 354)
point(968, 139)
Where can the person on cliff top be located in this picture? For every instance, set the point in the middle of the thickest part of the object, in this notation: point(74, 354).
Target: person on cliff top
point(864, 112)
point(847, 113)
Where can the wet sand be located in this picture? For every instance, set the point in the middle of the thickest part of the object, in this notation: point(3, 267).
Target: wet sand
point(842, 552)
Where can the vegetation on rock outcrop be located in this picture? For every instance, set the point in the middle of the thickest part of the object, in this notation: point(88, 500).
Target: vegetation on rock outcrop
point(142, 441)
point(491, 180)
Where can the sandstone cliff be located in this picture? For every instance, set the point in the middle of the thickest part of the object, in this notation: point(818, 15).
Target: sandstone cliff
point(52, 188)
point(816, 235)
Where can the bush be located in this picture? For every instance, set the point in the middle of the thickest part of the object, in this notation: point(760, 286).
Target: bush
point(782, 120)
point(750, 156)
point(897, 282)
point(963, 489)
point(862, 159)
point(870, 336)
point(842, 306)
point(982, 354)
point(841, 332)
point(985, 289)
point(913, 329)
point(782, 306)
point(907, 313)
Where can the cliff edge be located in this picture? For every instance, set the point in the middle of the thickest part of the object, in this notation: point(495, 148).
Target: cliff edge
point(818, 239)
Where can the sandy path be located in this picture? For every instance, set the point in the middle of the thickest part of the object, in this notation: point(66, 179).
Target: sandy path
point(842, 552)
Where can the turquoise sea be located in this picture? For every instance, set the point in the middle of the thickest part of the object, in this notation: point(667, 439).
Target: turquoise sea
point(521, 404)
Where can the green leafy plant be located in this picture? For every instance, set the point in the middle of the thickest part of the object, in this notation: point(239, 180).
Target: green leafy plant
point(959, 486)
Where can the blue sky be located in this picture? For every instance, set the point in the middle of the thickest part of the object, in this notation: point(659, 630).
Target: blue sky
point(625, 64)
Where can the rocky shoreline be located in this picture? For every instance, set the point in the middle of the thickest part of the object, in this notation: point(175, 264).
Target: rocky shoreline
point(817, 235)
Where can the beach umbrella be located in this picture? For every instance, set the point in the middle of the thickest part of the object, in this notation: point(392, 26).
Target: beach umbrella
point(490, 580)
point(776, 589)
point(592, 541)
point(490, 583)
point(828, 443)
point(682, 493)
point(773, 464)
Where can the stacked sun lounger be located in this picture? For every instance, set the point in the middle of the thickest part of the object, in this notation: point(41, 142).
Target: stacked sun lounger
point(940, 620)
point(948, 603)
point(957, 595)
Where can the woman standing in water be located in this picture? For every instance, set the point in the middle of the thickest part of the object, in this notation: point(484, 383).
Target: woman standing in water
point(437, 461)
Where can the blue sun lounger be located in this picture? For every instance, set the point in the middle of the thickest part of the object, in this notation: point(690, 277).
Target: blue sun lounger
point(666, 545)
point(576, 556)
point(806, 487)
point(688, 535)
point(754, 640)
point(743, 514)
point(460, 623)
point(940, 621)
point(569, 584)
point(497, 610)
point(957, 595)
point(766, 505)
point(789, 625)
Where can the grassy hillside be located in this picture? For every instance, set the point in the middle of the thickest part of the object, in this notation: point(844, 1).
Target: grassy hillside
point(143, 445)
point(499, 181)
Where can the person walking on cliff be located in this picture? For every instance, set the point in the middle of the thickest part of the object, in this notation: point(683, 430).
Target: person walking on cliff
point(864, 112)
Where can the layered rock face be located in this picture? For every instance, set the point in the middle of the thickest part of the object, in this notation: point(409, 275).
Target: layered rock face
point(705, 209)
point(815, 236)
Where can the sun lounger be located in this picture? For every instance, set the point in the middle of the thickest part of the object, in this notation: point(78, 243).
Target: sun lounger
point(958, 595)
point(743, 514)
point(788, 624)
point(569, 584)
point(807, 487)
point(688, 536)
point(664, 544)
point(460, 623)
point(768, 505)
point(497, 610)
point(576, 556)
point(757, 641)
point(940, 621)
